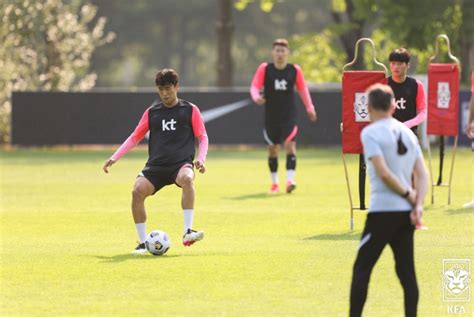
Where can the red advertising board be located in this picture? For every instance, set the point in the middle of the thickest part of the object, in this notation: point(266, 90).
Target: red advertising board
point(355, 115)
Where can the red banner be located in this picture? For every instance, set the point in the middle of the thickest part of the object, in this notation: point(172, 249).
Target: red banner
point(443, 99)
point(355, 115)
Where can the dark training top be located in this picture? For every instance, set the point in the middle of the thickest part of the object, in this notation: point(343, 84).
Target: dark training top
point(278, 85)
point(280, 106)
point(173, 132)
point(406, 99)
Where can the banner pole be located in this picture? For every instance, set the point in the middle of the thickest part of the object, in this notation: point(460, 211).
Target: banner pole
point(349, 192)
point(442, 145)
point(452, 169)
point(431, 171)
point(362, 167)
point(441, 159)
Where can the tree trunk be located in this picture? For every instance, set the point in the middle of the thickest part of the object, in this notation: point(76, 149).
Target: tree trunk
point(350, 37)
point(225, 29)
point(52, 62)
point(183, 53)
point(467, 41)
point(166, 50)
point(466, 55)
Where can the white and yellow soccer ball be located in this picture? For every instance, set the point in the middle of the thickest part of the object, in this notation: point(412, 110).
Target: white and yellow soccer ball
point(157, 242)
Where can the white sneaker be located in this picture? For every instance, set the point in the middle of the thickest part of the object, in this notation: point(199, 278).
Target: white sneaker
point(469, 204)
point(140, 249)
point(192, 236)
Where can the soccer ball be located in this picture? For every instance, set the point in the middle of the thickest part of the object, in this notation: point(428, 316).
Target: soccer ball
point(157, 242)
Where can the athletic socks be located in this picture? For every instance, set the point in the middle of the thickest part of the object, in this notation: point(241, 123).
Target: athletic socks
point(274, 177)
point(188, 224)
point(273, 165)
point(141, 231)
point(290, 167)
point(188, 219)
point(290, 175)
point(290, 162)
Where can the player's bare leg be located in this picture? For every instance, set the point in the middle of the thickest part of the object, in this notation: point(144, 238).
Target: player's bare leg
point(141, 190)
point(290, 148)
point(273, 165)
point(185, 180)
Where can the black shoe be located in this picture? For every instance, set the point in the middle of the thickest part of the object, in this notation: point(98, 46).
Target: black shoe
point(140, 249)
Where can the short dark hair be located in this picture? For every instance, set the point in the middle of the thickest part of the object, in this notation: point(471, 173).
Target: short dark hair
point(280, 42)
point(166, 76)
point(380, 97)
point(399, 55)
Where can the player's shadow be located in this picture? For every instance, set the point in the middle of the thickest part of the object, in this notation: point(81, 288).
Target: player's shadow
point(349, 235)
point(262, 195)
point(130, 257)
point(460, 211)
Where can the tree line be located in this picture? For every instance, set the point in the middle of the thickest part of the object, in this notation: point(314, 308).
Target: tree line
point(78, 44)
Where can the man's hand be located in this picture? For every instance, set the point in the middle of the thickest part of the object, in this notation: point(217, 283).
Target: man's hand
point(412, 196)
point(200, 166)
point(312, 116)
point(470, 130)
point(416, 215)
point(108, 164)
point(260, 101)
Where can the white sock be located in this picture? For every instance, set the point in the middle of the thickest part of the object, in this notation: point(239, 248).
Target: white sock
point(274, 177)
point(188, 219)
point(290, 175)
point(141, 231)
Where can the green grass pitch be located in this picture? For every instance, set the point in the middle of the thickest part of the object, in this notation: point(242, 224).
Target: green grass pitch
point(67, 232)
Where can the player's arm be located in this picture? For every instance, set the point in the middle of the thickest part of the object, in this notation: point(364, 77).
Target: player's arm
point(470, 122)
point(421, 112)
point(421, 177)
point(257, 84)
point(391, 180)
point(200, 133)
point(421, 187)
point(303, 91)
point(137, 135)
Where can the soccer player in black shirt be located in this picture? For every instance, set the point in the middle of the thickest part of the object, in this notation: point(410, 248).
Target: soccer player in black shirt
point(278, 80)
point(409, 93)
point(174, 125)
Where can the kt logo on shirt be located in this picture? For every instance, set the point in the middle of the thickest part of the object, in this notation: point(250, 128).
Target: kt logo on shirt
point(280, 84)
point(167, 126)
point(400, 103)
